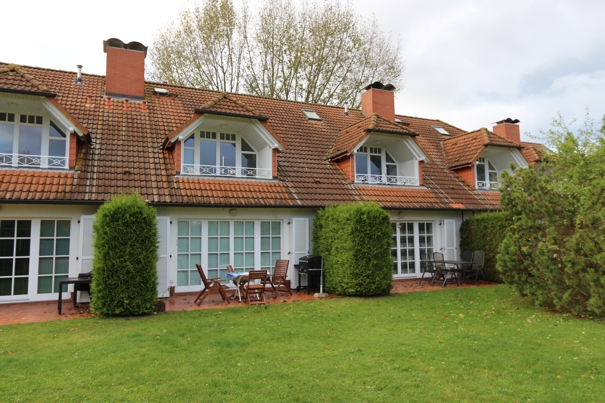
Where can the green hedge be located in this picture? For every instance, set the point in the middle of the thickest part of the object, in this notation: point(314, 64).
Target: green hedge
point(125, 256)
point(355, 242)
point(485, 232)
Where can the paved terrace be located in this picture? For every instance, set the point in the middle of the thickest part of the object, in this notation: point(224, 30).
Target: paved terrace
point(29, 312)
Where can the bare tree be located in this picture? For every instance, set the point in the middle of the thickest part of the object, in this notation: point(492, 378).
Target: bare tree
point(317, 52)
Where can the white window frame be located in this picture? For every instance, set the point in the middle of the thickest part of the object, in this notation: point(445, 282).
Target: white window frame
point(193, 144)
point(43, 160)
point(382, 177)
point(488, 183)
point(417, 249)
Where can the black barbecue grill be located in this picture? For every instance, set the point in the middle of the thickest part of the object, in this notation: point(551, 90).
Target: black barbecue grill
point(311, 265)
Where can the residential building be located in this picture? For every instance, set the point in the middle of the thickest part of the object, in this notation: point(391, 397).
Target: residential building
point(236, 179)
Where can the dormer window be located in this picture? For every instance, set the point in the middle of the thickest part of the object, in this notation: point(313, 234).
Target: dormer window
point(486, 174)
point(377, 165)
point(31, 141)
point(221, 154)
point(311, 115)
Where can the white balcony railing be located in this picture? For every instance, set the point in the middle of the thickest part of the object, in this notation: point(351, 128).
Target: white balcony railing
point(485, 185)
point(387, 180)
point(213, 170)
point(38, 161)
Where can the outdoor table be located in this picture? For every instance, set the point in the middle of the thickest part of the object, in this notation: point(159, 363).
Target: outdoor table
point(458, 266)
point(76, 281)
point(239, 279)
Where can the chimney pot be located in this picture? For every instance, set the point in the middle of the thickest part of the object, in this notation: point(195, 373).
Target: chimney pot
point(508, 128)
point(379, 99)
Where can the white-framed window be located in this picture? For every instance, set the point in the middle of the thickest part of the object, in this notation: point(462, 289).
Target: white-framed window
point(412, 242)
point(31, 141)
point(15, 242)
point(486, 174)
point(244, 244)
point(377, 165)
point(220, 154)
point(53, 263)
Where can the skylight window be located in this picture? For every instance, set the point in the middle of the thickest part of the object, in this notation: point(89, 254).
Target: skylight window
point(311, 115)
point(440, 130)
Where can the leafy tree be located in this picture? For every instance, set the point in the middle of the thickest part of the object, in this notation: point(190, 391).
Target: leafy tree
point(317, 52)
point(554, 250)
point(125, 256)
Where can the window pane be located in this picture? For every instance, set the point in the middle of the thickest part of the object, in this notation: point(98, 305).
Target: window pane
point(391, 170)
point(7, 228)
point(213, 228)
point(248, 160)
point(224, 226)
point(56, 148)
point(182, 278)
point(195, 245)
point(20, 286)
point(265, 228)
point(249, 259)
point(246, 146)
point(375, 164)
point(62, 247)
point(388, 158)
point(63, 228)
point(6, 285)
point(276, 228)
point(55, 132)
point(265, 243)
point(265, 259)
point(30, 140)
point(249, 244)
point(213, 260)
point(238, 260)
point(183, 245)
point(23, 247)
point(183, 228)
point(227, 154)
point(189, 156)
point(56, 282)
point(24, 228)
point(196, 228)
point(62, 265)
point(361, 164)
point(493, 177)
point(195, 259)
point(22, 267)
point(224, 245)
point(182, 262)
point(238, 244)
point(190, 142)
point(45, 285)
point(224, 260)
point(481, 172)
point(7, 247)
point(6, 138)
point(249, 228)
point(238, 228)
point(45, 266)
point(276, 243)
point(207, 152)
point(213, 245)
point(194, 278)
point(6, 267)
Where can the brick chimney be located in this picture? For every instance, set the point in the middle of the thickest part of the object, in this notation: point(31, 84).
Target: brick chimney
point(125, 76)
point(509, 129)
point(379, 99)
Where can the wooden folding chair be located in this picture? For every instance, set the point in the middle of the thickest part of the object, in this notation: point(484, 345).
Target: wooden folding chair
point(279, 277)
point(211, 285)
point(255, 288)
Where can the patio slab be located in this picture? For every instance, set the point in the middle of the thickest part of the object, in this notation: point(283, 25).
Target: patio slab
point(30, 312)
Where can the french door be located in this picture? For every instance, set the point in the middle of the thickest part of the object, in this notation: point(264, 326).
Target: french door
point(412, 242)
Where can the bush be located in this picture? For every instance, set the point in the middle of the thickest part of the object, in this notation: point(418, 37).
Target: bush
point(554, 251)
point(125, 277)
point(355, 242)
point(485, 232)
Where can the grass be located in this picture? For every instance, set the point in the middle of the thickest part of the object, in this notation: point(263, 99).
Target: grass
point(475, 345)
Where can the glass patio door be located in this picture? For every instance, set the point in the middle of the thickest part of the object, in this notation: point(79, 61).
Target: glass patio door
point(412, 242)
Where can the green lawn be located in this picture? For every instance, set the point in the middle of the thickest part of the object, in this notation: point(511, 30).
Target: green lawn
point(475, 344)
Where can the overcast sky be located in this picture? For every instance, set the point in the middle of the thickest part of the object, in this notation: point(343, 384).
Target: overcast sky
point(468, 63)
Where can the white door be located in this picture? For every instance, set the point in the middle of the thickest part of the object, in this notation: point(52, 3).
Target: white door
point(87, 250)
point(300, 245)
point(451, 244)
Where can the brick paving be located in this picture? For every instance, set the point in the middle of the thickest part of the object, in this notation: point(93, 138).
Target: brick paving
point(29, 312)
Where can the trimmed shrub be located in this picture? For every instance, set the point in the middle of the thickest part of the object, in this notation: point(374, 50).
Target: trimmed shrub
point(485, 232)
point(355, 242)
point(125, 278)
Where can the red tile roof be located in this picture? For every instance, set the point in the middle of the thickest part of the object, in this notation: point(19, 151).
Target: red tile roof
point(126, 151)
point(465, 149)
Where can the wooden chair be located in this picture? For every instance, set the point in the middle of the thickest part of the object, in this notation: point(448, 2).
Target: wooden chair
point(255, 288)
point(211, 285)
point(279, 277)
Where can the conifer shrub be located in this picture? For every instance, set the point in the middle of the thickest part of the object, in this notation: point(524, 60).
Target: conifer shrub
point(355, 242)
point(554, 249)
point(125, 256)
point(485, 232)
